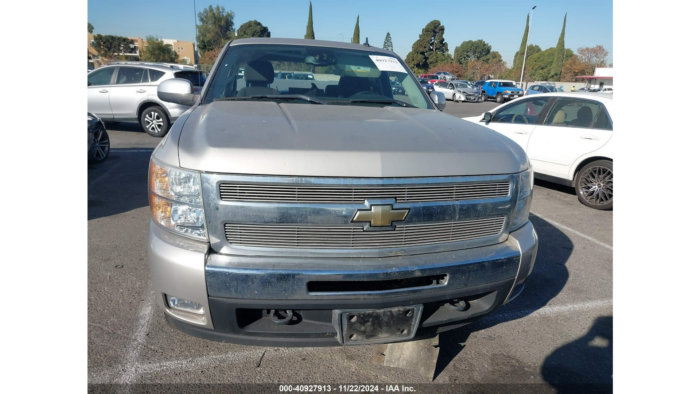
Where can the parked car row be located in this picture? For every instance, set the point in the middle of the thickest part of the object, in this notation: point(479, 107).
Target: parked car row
point(458, 90)
point(127, 92)
point(566, 137)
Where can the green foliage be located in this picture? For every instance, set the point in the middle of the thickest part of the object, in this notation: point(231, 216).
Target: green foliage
point(388, 45)
point(518, 60)
point(90, 28)
point(532, 49)
point(560, 57)
point(252, 29)
point(430, 49)
point(158, 51)
point(356, 33)
point(310, 25)
point(109, 47)
point(539, 66)
point(471, 50)
point(214, 29)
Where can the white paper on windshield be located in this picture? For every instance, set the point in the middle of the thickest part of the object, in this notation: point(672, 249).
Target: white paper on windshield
point(388, 63)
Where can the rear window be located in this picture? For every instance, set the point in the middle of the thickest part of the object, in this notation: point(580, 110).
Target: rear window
point(433, 76)
point(155, 75)
point(195, 77)
point(507, 84)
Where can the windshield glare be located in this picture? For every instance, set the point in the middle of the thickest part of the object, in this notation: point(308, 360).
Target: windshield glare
point(327, 75)
point(463, 85)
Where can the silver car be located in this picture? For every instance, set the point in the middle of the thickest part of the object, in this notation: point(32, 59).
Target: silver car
point(127, 92)
point(331, 211)
point(458, 91)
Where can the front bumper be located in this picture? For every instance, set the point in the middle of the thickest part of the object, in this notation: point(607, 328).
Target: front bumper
point(238, 292)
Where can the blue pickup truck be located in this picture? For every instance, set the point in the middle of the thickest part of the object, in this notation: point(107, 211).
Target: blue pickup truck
point(500, 90)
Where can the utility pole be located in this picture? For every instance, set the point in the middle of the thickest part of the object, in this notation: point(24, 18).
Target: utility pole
point(194, 4)
point(527, 42)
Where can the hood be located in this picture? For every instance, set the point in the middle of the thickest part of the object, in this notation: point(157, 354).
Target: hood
point(267, 138)
point(468, 90)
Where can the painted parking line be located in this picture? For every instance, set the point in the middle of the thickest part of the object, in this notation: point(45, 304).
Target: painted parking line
point(133, 350)
point(582, 235)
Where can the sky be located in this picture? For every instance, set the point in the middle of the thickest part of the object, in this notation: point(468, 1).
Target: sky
point(499, 23)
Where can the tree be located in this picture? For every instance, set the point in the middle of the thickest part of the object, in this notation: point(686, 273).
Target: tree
point(388, 45)
point(531, 50)
point(560, 56)
point(452, 68)
point(572, 68)
point(90, 28)
point(593, 57)
point(518, 60)
point(356, 33)
point(538, 67)
point(158, 51)
point(430, 49)
point(109, 47)
point(214, 29)
point(494, 64)
point(471, 50)
point(252, 29)
point(310, 25)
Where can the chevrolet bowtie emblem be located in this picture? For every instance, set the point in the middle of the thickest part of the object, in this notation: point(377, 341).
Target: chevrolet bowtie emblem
point(380, 215)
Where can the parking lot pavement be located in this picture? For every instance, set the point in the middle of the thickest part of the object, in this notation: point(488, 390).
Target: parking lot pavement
point(558, 331)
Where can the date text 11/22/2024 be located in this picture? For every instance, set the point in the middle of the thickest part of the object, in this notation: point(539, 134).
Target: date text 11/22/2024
point(347, 388)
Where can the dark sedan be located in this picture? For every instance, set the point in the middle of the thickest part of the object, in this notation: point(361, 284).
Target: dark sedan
point(98, 140)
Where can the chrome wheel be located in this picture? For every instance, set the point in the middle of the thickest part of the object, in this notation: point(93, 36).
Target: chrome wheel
point(596, 185)
point(154, 123)
point(100, 146)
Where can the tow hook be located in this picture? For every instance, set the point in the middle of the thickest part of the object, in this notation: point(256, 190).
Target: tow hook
point(281, 316)
point(457, 305)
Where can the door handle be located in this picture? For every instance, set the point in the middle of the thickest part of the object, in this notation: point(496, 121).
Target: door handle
point(104, 91)
point(521, 132)
point(589, 137)
point(140, 91)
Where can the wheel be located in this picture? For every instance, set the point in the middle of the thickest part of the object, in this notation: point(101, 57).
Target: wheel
point(594, 184)
point(154, 121)
point(453, 98)
point(100, 146)
point(499, 98)
point(483, 96)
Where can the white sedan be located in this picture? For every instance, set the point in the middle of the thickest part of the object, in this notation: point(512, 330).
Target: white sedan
point(567, 139)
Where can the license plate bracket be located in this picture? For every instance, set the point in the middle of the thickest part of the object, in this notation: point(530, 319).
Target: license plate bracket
point(362, 327)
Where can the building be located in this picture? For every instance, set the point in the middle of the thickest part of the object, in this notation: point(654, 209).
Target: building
point(602, 76)
point(184, 50)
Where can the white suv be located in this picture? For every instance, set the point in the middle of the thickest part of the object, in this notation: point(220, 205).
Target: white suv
point(127, 92)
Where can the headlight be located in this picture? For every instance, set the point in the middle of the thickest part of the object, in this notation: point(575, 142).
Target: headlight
point(175, 196)
point(526, 180)
point(506, 91)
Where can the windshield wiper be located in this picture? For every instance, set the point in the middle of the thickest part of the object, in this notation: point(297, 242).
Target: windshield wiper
point(273, 97)
point(383, 101)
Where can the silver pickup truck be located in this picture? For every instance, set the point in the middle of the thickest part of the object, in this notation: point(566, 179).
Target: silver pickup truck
point(333, 210)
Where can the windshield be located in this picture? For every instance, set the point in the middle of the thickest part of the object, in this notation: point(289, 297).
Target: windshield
point(507, 84)
point(464, 85)
point(310, 74)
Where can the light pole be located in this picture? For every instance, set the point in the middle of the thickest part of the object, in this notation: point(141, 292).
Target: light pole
point(527, 41)
point(194, 5)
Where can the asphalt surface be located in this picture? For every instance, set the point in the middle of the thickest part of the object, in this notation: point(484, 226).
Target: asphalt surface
point(558, 332)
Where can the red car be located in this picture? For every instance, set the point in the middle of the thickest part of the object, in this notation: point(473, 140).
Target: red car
point(432, 78)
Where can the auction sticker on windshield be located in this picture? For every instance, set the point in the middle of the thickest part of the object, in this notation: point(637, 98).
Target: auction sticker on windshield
point(388, 63)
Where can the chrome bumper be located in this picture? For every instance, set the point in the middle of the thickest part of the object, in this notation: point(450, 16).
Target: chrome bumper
point(185, 268)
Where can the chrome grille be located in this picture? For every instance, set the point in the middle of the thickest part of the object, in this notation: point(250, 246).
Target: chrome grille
point(322, 237)
point(351, 195)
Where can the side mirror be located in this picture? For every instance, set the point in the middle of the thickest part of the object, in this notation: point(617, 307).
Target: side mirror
point(439, 100)
point(487, 117)
point(177, 91)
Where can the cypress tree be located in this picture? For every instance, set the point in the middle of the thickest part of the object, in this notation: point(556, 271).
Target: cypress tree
point(518, 60)
point(356, 34)
point(388, 45)
point(310, 25)
point(559, 57)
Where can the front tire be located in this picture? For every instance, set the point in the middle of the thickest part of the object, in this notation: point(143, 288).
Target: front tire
point(499, 98)
point(154, 121)
point(484, 97)
point(100, 146)
point(594, 185)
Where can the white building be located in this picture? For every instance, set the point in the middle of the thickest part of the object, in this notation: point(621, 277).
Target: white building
point(603, 76)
